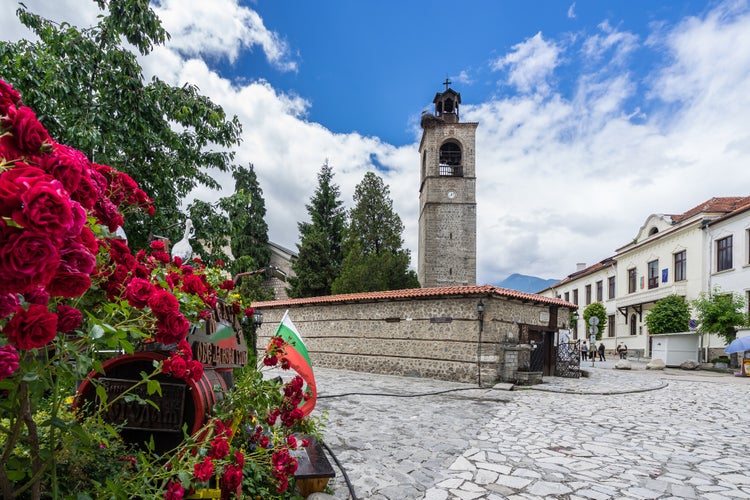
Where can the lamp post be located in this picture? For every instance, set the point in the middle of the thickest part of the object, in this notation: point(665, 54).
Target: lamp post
point(480, 313)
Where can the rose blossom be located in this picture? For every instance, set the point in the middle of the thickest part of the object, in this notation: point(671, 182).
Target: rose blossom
point(8, 361)
point(69, 285)
point(28, 133)
point(175, 491)
point(8, 302)
point(162, 303)
point(67, 165)
point(14, 182)
point(138, 292)
point(37, 295)
point(27, 259)
point(232, 478)
point(171, 328)
point(195, 368)
point(175, 366)
point(76, 258)
point(68, 319)
point(204, 470)
point(32, 328)
point(45, 207)
point(219, 448)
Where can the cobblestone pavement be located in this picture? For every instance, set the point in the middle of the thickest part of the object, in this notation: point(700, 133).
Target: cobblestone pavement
point(615, 434)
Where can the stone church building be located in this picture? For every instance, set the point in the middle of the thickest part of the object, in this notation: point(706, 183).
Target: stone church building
point(450, 328)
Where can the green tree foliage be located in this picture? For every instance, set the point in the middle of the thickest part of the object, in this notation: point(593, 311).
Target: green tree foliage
point(214, 226)
point(374, 255)
point(720, 313)
point(321, 239)
point(246, 210)
point(670, 314)
point(89, 92)
point(596, 309)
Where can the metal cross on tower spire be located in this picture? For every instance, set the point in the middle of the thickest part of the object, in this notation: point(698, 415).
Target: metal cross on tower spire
point(447, 83)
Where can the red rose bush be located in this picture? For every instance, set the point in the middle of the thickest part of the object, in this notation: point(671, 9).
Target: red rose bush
point(71, 289)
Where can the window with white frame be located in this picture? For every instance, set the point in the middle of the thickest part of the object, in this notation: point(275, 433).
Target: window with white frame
point(611, 286)
point(611, 325)
point(724, 253)
point(653, 274)
point(631, 280)
point(680, 266)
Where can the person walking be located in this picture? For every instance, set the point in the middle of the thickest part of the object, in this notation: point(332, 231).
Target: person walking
point(584, 351)
point(601, 352)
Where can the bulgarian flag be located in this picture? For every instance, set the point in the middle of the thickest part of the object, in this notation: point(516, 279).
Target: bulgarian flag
point(299, 359)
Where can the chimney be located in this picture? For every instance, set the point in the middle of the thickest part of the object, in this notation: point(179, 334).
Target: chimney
point(580, 266)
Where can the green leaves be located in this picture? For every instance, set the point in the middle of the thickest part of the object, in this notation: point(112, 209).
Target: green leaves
point(374, 258)
point(720, 313)
point(89, 92)
point(670, 314)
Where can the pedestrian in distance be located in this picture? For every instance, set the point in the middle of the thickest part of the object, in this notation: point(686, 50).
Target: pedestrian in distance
point(601, 352)
point(584, 351)
point(624, 351)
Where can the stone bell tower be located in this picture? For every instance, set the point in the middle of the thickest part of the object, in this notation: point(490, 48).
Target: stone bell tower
point(447, 196)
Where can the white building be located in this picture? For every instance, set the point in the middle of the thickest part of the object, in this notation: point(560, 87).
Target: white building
point(686, 255)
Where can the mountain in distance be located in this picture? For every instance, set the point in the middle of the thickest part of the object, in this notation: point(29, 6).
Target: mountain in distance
point(523, 283)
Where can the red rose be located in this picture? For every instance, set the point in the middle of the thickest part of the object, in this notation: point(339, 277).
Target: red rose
point(175, 491)
point(88, 240)
point(239, 458)
point(226, 285)
point(195, 368)
point(46, 207)
point(76, 258)
point(68, 319)
point(249, 312)
point(69, 285)
point(32, 328)
point(67, 165)
point(157, 245)
point(8, 360)
point(193, 284)
point(37, 295)
point(171, 328)
point(204, 470)
point(27, 259)
point(219, 448)
point(175, 366)
point(232, 478)
point(28, 133)
point(163, 303)
point(14, 182)
point(138, 292)
point(8, 302)
point(87, 192)
point(8, 96)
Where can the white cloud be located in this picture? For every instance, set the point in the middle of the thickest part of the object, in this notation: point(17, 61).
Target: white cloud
point(563, 175)
point(571, 11)
point(530, 64)
point(220, 28)
point(616, 45)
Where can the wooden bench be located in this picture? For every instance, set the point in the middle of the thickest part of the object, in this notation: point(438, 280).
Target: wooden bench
point(313, 468)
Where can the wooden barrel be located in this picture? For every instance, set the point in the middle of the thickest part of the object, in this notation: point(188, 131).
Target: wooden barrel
point(182, 403)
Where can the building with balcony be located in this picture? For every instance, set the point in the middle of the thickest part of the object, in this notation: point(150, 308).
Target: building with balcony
point(698, 251)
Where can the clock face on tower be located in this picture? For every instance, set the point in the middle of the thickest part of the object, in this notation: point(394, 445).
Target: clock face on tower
point(451, 194)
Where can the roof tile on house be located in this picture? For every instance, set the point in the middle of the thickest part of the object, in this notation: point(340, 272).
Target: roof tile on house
point(723, 205)
point(416, 293)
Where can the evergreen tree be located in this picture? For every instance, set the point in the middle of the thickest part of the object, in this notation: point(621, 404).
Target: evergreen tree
point(214, 227)
point(246, 210)
point(374, 255)
point(321, 239)
point(88, 90)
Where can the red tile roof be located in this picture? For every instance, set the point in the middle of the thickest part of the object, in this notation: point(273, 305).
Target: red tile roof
point(722, 205)
point(417, 293)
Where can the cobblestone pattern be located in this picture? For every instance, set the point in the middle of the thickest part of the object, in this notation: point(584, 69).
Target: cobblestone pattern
point(613, 435)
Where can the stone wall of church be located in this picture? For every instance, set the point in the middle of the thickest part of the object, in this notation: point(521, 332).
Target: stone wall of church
point(432, 338)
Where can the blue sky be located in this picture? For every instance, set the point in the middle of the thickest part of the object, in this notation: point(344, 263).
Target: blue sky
point(592, 115)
